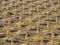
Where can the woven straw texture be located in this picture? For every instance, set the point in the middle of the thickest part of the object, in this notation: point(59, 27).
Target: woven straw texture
point(29, 22)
